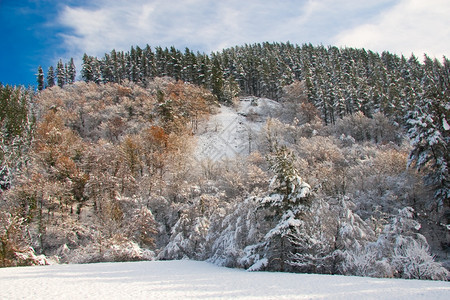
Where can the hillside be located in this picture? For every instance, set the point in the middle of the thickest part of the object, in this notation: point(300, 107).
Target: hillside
point(234, 130)
point(344, 172)
point(199, 280)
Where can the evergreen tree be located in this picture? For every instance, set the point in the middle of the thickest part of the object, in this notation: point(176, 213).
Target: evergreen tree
point(40, 79)
point(217, 81)
point(50, 77)
point(15, 132)
point(71, 72)
point(285, 207)
point(60, 74)
point(429, 130)
point(86, 69)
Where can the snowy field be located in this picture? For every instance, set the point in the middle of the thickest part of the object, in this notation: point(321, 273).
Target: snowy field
point(199, 280)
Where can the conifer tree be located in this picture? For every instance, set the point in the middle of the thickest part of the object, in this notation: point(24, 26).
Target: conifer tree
point(40, 79)
point(60, 74)
point(86, 70)
point(217, 82)
point(71, 72)
point(50, 77)
point(285, 206)
point(429, 130)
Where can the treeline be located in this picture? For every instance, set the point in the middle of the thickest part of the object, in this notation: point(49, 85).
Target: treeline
point(340, 81)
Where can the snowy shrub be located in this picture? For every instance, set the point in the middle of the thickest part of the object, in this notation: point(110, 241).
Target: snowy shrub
point(378, 129)
point(189, 235)
point(117, 248)
point(328, 227)
point(142, 228)
point(188, 239)
point(412, 259)
point(364, 261)
point(398, 252)
point(14, 247)
point(28, 257)
point(236, 230)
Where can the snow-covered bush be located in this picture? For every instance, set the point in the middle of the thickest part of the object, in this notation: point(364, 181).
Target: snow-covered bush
point(328, 227)
point(400, 251)
point(412, 259)
point(364, 261)
point(14, 246)
point(117, 248)
point(231, 232)
point(188, 237)
point(378, 129)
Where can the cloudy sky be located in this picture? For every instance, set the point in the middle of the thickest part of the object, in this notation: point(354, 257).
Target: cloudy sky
point(40, 32)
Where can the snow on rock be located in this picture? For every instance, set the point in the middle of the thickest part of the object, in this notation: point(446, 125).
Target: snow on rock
point(199, 280)
point(233, 131)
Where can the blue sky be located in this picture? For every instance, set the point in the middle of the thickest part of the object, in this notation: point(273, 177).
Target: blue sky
point(40, 32)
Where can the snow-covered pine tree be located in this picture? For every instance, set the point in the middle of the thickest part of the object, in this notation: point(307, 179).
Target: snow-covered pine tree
point(50, 77)
point(40, 79)
point(429, 130)
point(71, 72)
point(60, 74)
point(86, 68)
point(284, 208)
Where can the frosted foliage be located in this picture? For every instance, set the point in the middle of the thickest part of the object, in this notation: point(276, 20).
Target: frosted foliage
point(428, 130)
point(14, 250)
point(237, 229)
point(445, 124)
point(413, 260)
point(189, 236)
point(364, 261)
point(326, 229)
point(398, 252)
point(287, 221)
point(117, 248)
point(287, 185)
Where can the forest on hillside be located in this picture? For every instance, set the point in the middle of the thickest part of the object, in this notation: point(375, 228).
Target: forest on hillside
point(350, 176)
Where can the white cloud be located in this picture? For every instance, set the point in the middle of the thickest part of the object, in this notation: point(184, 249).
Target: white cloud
point(206, 25)
point(199, 24)
point(411, 26)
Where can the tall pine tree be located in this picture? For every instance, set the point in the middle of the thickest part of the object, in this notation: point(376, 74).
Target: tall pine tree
point(60, 74)
point(429, 130)
point(50, 77)
point(40, 79)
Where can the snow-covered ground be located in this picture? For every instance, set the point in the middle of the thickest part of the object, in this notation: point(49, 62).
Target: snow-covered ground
point(199, 280)
point(232, 131)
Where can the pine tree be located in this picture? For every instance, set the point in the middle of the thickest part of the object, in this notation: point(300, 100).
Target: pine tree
point(15, 132)
point(86, 70)
point(60, 74)
point(71, 72)
point(217, 82)
point(50, 77)
point(285, 206)
point(40, 79)
point(429, 130)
